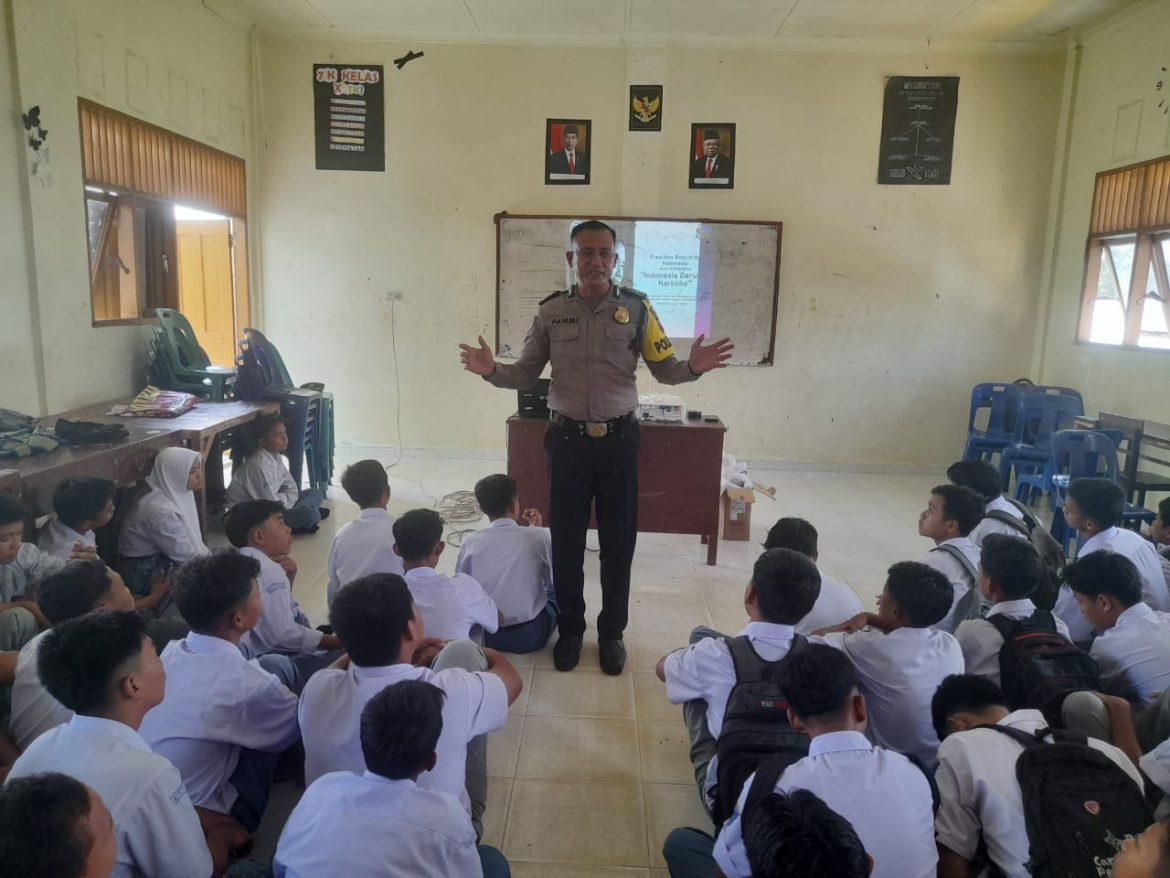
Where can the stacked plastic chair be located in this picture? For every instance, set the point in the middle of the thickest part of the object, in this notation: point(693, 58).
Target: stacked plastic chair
point(177, 362)
point(1002, 404)
point(1042, 413)
point(308, 409)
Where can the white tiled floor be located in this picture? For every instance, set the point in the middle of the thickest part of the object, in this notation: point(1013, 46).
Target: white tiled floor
point(591, 772)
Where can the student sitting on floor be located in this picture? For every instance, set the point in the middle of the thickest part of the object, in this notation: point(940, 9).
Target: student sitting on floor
point(886, 797)
point(836, 601)
point(53, 826)
point(1093, 507)
point(264, 476)
point(224, 720)
point(366, 544)
point(1160, 536)
point(1146, 856)
point(82, 506)
point(161, 529)
point(258, 530)
point(900, 660)
point(381, 823)
point(22, 566)
point(103, 667)
point(513, 563)
point(783, 589)
point(1010, 570)
point(984, 479)
point(950, 515)
point(452, 607)
point(979, 790)
point(383, 635)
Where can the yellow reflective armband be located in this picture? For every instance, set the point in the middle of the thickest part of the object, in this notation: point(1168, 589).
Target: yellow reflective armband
point(656, 345)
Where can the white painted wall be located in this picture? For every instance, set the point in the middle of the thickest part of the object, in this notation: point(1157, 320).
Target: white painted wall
point(170, 62)
point(894, 301)
point(1120, 64)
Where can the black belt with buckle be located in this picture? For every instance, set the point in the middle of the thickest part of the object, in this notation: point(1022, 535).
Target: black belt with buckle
point(592, 429)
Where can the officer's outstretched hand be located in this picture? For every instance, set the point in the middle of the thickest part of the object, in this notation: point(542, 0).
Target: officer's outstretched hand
point(479, 360)
point(704, 358)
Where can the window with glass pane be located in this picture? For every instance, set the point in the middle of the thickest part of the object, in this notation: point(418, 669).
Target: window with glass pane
point(1155, 325)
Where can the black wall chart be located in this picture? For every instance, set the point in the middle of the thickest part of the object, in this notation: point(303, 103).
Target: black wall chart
point(349, 118)
point(918, 130)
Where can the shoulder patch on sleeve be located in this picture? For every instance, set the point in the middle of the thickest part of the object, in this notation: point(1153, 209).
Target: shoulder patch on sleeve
point(552, 296)
point(179, 794)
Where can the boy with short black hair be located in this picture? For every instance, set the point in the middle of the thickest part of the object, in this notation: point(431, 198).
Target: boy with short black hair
point(1093, 508)
point(383, 635)
point(513, 563)
point(978, 787)
point(886, 797)
point(381, 822)
point(951, 513)
point(1160, 536)
point(452, 607)
point(103, 667)
point(22, 566)
point(900, 660)
point(1010, 571)
point(224, 720)
point(836, 601)
point(798, 835)
point(53, 826)
point(783, 589)
point(366, 544)
point(264, 476)
point(82, 506)
point(1000, 515)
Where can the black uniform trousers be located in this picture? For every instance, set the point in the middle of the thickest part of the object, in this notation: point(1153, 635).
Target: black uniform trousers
point(593, 475)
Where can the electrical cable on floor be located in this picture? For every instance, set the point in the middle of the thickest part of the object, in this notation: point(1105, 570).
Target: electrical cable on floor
point(458, 507)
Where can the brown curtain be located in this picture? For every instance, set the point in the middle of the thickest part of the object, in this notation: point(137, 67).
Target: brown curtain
point(1135, 198)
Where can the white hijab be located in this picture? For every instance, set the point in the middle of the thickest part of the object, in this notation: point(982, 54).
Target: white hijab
point(169, 493)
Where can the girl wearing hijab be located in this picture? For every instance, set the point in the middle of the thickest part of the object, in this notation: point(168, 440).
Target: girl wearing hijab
point(162, 527)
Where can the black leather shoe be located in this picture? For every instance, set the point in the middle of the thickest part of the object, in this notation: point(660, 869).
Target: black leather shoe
point(613, 656)
point(324, 510)
point(567, 652)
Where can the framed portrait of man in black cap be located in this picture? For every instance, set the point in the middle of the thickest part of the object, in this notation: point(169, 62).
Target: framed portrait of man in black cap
point(712, 155)
point(566, 152)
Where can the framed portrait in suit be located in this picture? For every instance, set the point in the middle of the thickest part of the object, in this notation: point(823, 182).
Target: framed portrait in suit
point(712, 157)
point(645, 108)
point(566, 152)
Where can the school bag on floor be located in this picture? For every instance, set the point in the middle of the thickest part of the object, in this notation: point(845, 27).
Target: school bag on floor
point(1079, 805)
point(755, 724)
point(1039, 667)
point(1051, 552)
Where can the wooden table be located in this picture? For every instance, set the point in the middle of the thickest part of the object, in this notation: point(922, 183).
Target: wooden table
point(679, 470)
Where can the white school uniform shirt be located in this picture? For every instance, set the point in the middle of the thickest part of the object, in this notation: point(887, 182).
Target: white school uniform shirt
point(953, 569)
point(30, 567)
point(836, 603)
point(367, 826)
point(705, 670)
point(981, 642)
point(899, 673)
point(979, 791)
point(263, 476)
point(58, 539)
point(1137, 549)
point(277, 630)
point(361, 547)
point(883, 794)
point(155, 824)
point(217, 703)
point(331, 708)
point(988, 526)
point(450, 606)
point(34, 710)
point(514, 566)
point(1133, 656)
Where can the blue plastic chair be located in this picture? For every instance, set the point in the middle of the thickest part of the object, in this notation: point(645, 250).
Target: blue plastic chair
point(1041, 416)
point(1076, 454)
point(1002, 403)
point(1054, 389)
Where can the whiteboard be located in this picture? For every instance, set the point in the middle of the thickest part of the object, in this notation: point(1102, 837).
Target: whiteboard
point(720, 278)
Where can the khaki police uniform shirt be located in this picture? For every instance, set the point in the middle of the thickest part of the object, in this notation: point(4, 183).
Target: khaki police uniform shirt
point(593, 354)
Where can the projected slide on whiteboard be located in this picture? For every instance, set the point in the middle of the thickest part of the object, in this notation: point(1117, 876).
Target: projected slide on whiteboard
point(703, 277)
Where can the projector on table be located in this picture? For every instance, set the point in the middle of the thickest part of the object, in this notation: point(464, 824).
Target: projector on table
point(660, 407)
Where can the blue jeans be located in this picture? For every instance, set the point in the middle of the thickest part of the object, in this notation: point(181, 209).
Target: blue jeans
point(306, 512)
point(530, 636)
point(493, 862)
point(689, 853)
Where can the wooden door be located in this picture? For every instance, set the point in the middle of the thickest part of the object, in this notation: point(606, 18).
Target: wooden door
point(205, 286)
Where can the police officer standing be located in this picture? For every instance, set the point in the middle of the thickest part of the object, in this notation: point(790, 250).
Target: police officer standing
point(593, 334)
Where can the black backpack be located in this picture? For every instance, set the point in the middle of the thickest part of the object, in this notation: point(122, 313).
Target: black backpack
point(1079, 805)
point(755, 724)
point(1039, 666)
point(1050, 550)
